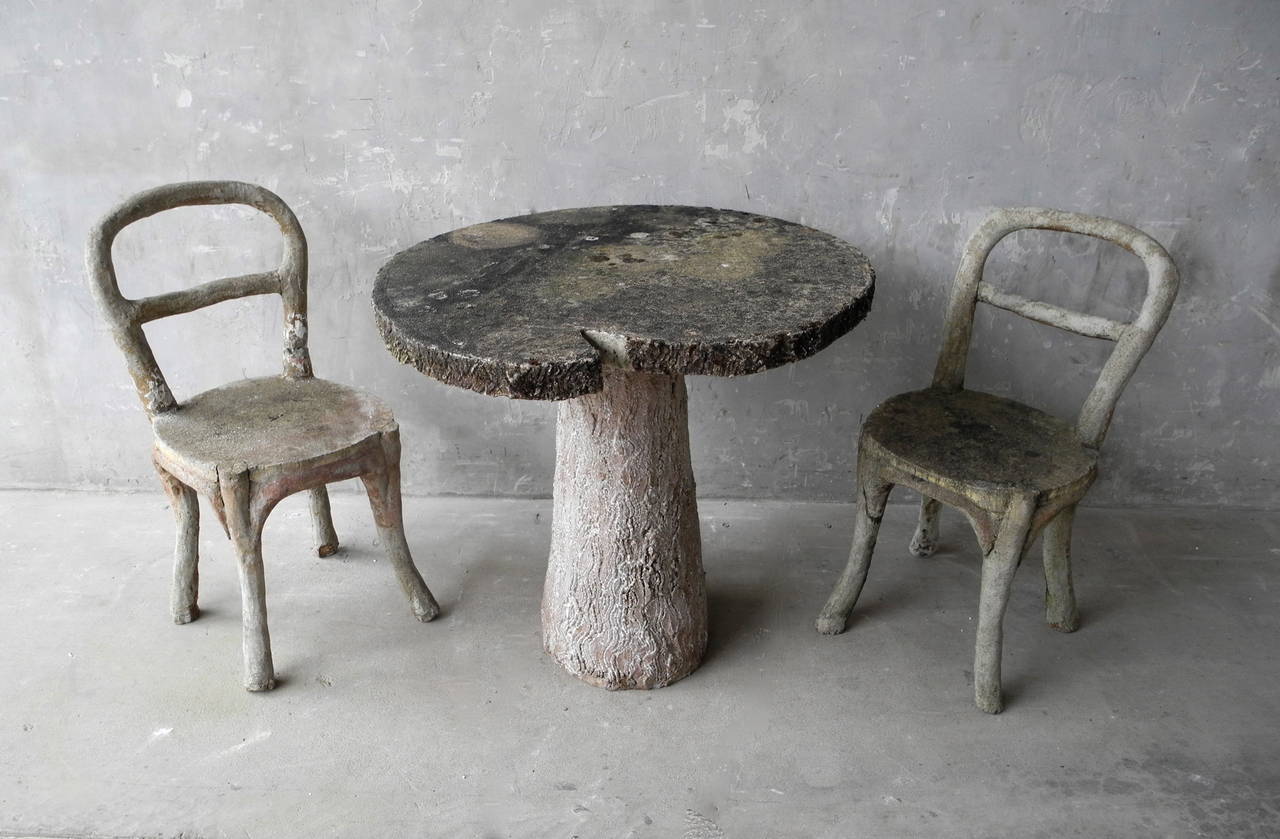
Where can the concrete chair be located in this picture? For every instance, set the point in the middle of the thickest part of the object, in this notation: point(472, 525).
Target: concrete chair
point(1011, 469)
point(247, 445)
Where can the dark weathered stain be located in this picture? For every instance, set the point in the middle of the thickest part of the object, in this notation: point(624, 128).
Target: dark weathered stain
point(970, 436)
point(502, 307)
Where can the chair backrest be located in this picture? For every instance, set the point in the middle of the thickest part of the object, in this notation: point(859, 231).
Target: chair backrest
point(127, 316)
point(1132, 339)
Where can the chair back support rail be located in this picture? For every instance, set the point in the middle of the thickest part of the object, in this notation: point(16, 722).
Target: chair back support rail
point(1132, 339)
point(127, 315)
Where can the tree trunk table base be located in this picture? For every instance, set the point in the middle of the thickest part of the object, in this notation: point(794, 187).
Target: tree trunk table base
point(625, 603)
point(606, 310)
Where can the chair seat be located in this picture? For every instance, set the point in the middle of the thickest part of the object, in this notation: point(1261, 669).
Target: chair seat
point(968, 439)
point(268, 422)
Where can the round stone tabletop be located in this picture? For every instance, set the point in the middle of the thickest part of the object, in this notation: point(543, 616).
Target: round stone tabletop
point(530, 307)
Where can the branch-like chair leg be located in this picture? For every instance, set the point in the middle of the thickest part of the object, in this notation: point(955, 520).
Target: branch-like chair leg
point(873, 492)
point(383, 488)
point(186, 551)
point(246, 535)
point(322, 519)
point(1059, 595)
point(998, 568)
point(925, 540)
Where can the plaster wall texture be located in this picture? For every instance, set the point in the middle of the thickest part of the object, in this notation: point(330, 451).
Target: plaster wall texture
point(894, 125)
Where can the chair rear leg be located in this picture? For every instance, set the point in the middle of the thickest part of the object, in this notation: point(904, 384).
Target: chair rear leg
point(186, 551)
point(1059, 595)
point(998, 568)
point(925, 540)
point(246, 535)
point(873, 492)
point(322, 519)
point(383, 488)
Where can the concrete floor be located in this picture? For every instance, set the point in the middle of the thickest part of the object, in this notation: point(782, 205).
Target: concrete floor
point(1159, 718)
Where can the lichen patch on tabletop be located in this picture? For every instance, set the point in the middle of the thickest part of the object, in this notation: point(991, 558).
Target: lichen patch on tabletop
point(503, 307)
point(494, 234)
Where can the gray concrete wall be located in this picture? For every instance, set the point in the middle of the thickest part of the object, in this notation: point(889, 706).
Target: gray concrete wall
point(892, 124)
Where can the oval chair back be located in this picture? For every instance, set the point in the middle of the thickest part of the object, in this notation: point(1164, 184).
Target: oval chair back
point(1132, 339)
point(127, 315)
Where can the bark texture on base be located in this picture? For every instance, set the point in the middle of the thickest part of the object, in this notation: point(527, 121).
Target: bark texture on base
point(625, 602)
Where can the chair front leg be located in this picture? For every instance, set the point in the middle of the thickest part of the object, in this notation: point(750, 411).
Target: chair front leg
point(322, 520)
point(925, 540)
point(246, 535)
point(383, 488)
point(1059, 595)
point(186, 551)
point(873, 492)
point(998, 568)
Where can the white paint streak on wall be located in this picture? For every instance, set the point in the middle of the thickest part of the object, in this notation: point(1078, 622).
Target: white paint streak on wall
point(885, 214)
point(745, 115)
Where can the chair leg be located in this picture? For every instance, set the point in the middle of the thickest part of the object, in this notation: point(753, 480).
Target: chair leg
point(186, 551)
point(1059, 595)
point(925, 540)
point(998, 568)
point(322, 519)
point(383, 488)
point(873, 492)
point(246, 535)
